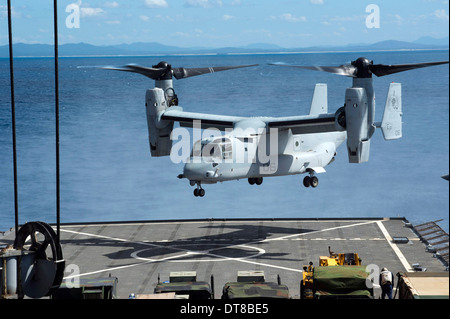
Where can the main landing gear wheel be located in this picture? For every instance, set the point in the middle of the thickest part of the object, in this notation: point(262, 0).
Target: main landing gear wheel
point(312, 181)
point(255, 180)
point(45, 272)
point(199, 192)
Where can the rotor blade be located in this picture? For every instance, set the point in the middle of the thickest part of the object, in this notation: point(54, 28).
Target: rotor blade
point(151, 73)
point(346, 70)
point(182, 73)
point(382, 70)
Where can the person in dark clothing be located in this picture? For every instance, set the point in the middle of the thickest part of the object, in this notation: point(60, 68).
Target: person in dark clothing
point(386, 283)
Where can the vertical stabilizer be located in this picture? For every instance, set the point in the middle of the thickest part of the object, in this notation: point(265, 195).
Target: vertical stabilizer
point(391, 125)
point(319, 104)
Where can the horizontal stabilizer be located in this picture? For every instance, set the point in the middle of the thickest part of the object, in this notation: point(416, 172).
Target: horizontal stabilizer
point(319, 104)
point(391, 125)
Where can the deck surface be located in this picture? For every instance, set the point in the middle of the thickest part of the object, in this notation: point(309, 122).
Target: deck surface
point(136, 253)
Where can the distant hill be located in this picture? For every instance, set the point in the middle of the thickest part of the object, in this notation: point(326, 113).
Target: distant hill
point(433, 41)
point(154, 48)
point(144, 48)
point(400, 45)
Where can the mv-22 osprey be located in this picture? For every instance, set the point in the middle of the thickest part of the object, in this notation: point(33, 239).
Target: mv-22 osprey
point(256, 147)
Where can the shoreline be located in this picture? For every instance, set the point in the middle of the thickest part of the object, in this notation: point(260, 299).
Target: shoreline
point(222, 54)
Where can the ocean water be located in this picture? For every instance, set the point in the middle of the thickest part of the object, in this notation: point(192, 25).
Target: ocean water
point(107, 173)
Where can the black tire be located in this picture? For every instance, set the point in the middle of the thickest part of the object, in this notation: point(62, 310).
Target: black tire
point(314, 182)
point(307, 181)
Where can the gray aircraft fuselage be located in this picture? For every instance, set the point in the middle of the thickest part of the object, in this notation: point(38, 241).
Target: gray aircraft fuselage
point(237, 156)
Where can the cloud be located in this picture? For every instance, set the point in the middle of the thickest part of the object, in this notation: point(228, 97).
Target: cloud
point(316, 1)
point(144, 18)
point(289, 18)
point(113, 4)
point(4, 12)
point(227, 17)
point(156, 3)
point(398, 19)
point(112, 22)
point(348, 18)
point(203, 3)
point(91, 12)
point(169, 18)
point(441, 15)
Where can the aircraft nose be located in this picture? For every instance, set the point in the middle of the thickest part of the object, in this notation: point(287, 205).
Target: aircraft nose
point(199, 171)
point(192, 171)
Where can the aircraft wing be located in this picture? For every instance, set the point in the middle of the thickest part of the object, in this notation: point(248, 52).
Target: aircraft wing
point(186, 119)
point(320, 123)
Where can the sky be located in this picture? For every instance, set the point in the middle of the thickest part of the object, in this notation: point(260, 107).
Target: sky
point(223, 23)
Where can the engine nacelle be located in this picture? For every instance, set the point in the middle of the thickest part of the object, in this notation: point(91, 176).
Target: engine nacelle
point(356, 123)
point(159, 131)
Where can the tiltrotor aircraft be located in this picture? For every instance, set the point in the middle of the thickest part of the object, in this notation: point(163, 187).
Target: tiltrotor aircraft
point(256, 147)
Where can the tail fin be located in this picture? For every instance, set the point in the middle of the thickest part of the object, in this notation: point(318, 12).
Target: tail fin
point(391, 125)
point(319, 104)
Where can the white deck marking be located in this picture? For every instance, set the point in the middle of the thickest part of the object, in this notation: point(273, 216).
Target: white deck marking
point(185, 253)
point(126, 266)
point(318, 231)
point(394, 247)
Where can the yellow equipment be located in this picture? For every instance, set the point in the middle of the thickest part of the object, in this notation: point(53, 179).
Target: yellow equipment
point(342, 259)
point(306, 285)
point(339, 259)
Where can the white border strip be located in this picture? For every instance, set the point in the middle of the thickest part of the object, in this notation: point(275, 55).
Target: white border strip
point(394, 247)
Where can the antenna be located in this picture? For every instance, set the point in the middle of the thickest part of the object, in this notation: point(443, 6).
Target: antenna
point(13, 115)
point(58, 202)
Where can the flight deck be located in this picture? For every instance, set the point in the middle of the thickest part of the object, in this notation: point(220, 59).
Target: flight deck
point(138, 253)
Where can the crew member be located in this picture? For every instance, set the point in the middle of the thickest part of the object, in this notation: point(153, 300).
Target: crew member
point(386, 283)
